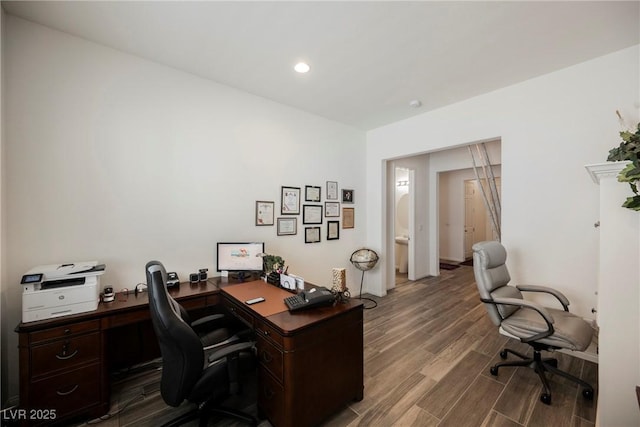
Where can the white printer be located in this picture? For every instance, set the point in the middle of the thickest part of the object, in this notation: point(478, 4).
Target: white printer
point(59, 290)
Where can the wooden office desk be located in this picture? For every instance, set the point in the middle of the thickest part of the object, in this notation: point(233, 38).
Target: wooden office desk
point(310, 362)
point(65, 362)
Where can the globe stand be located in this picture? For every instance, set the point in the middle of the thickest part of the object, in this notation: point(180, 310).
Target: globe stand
point(375, 304)
point(365, 260)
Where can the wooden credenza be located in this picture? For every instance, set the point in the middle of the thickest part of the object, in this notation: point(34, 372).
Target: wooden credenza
point(310, 362)
point(65, 362)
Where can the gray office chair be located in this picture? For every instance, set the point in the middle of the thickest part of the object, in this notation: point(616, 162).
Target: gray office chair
point(541, 327)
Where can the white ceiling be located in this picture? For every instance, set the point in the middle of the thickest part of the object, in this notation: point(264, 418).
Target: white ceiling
point(368, 58)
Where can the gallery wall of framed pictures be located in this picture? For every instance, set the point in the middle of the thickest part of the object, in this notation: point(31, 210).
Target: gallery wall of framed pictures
point(308, 202)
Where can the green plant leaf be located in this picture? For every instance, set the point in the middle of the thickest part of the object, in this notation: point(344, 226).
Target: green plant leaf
point(630, 173)
point(632, 203)
point(629, 149)
point(615, 154)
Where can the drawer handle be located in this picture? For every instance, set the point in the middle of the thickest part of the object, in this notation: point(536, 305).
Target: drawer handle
point(67, 331)
point(265, 332)
point(67, 393)
point(65, 356)
point(266, 357)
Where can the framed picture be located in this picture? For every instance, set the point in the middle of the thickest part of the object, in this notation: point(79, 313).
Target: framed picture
point(312, 214)
point(347, 196)
point(311, 193)
point(287, 226)
point(312, 234)
point(347, 217)
point(332, 190)
point(333, 230)
point(290, 200)
point(331, 209)
point(264, 212)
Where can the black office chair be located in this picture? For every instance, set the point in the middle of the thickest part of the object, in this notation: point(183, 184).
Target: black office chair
point(185, 374)
point(543, 328)
point(214, 330)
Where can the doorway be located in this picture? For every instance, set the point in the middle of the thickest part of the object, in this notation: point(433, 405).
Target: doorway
point(463, 217)
point(403, 224)
point(431, 225)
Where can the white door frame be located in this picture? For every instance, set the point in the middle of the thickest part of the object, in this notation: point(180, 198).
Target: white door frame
point(411, 256)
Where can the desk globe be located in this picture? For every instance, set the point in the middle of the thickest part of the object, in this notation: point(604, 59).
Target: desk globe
point(365, 259)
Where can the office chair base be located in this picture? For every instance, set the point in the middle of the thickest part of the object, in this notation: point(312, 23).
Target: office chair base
point(204, 414)
point(541, 365)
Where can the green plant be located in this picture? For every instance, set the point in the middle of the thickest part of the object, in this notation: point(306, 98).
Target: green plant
point(272, 263)
point(629, 149)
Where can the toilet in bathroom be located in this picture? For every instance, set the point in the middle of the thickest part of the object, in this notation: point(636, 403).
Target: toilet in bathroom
point(402, 253)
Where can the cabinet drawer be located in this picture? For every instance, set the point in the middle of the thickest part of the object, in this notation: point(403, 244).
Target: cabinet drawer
point(193, 303)
point(65, 331)
point(239, 313)
point(68, 393)
point(264, 330)
point(271, 399)
point(65, 353)
point(270, 357)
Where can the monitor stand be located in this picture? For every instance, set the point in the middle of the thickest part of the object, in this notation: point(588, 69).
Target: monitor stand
point(241, 276)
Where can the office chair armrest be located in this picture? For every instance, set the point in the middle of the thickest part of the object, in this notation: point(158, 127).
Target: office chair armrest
point(232, 356)
point(212, 321)
point(230, 340)
point(548, 318)
point(559, 295)
point(230, 350)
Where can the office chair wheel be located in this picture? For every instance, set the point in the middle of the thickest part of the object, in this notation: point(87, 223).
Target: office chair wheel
point(587, 394)
point(503, 354)
point(545, 398)
point(494, 371)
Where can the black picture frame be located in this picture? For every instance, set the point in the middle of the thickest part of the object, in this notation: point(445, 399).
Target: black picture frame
point(347, 196)
point(289, 200)
point(333, 230)
point(312, 214)
point(312, 235)
point(312, 193)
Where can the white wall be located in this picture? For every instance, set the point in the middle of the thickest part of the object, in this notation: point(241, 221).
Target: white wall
point(4, 368)
point(549, 128)
point(118, 159)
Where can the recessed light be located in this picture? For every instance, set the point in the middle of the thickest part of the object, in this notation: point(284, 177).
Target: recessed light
point(302, 67)
point(416, 103)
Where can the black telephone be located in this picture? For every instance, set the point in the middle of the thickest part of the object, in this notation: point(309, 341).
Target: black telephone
point(315, 297)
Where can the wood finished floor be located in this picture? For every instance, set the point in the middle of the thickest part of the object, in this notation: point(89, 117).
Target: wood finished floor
point(428, 348)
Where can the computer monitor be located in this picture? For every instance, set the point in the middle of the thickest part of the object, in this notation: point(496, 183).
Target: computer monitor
point(239, 258)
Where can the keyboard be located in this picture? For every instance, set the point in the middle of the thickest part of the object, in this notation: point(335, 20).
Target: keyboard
point(294, 302)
